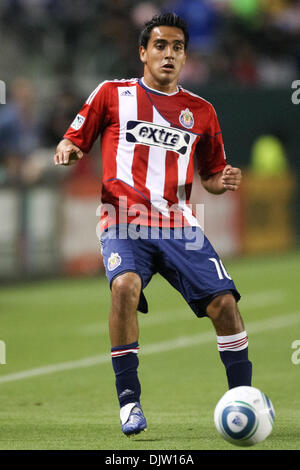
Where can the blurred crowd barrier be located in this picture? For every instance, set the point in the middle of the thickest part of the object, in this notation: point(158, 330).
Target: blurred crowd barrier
point(49, 228)
point(268, 221)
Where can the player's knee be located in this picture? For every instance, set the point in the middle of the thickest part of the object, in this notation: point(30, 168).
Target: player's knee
point(127, 286)
point(223, 308)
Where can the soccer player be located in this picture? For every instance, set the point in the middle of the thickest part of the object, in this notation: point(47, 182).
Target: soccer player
point(151, 130)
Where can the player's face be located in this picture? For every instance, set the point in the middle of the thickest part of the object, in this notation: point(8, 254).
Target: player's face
point(164, 58)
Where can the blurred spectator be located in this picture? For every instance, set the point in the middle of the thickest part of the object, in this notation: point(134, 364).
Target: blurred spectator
point(275, 8)
point(244, 67)
point(56, 118)
point(143, 12)
point(289, 19)
point(250, 42)
point(60, 114)
point(247, 10)
point(196, 70)
point(275, 70)
point(202, 18)
point(19, 131)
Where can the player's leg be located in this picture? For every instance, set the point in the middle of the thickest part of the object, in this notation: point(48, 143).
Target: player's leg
point(123, 330)
point(200, 276)
point(231, 338)
point(127, 269)
point(123, 322)
point(124, 333)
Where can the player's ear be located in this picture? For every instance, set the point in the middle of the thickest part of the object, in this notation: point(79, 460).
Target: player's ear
point(143, 54)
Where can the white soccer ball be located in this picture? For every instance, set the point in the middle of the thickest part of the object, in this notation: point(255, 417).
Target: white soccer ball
point(244, 416)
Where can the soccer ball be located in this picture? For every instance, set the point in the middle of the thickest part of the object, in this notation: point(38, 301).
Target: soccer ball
point(244, 416)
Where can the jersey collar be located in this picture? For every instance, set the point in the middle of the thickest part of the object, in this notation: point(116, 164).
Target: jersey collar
point(156, 92)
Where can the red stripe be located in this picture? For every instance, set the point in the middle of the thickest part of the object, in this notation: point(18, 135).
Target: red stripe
point(110, 142)
point(123, 352)
point(233, 346)
point(231, 349)
point(234, 342)
point(171, 179)
point(190, 173)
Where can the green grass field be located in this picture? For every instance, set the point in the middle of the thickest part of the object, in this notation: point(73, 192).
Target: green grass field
point(57, 386)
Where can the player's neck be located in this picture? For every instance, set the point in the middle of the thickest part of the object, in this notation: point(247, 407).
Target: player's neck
point(169, 88)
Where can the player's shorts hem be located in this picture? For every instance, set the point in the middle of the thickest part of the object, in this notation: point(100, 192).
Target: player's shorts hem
point(143, 305)
point(200, 305)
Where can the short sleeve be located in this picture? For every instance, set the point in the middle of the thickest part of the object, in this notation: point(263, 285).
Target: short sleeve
point(210, 153)
point(90, 120)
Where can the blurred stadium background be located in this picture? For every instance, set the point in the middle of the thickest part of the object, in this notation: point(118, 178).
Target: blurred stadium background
point(244, 57)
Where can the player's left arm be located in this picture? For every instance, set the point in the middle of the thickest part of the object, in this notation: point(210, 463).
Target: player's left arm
point(217, 176)
point(228, 179)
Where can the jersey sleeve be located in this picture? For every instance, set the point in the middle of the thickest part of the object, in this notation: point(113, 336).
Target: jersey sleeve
point(210, 153)
point(91, 120)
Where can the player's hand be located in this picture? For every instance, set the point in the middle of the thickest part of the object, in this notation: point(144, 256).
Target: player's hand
point(231, 178)
point(67, 153)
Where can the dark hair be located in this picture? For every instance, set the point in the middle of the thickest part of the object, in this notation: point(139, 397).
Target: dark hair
point(166, 19)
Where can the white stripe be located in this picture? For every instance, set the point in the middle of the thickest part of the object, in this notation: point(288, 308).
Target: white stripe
point(237, 346)
point(194, 94)
point(232, 338)
point(156, 171)
point(279, 322)
point(251, 301)
point(236, 342)
point(94, 93)
point(125, 153)
point(123, 352)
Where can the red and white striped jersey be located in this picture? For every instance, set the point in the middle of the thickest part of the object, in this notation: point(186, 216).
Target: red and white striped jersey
point(148, 143)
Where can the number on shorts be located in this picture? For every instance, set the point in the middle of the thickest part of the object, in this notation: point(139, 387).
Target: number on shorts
point(220, 268)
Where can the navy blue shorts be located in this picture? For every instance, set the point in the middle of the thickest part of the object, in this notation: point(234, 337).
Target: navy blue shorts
point(183, 256)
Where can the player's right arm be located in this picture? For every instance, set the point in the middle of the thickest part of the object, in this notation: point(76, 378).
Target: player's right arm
point(67, 153)
point(84, 130)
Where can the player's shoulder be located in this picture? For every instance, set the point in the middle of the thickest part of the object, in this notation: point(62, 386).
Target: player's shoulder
point(108, 85)
point(120, 82)
point(197, 100)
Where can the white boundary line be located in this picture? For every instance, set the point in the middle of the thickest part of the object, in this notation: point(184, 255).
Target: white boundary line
point(281, 321)
point(252, 301)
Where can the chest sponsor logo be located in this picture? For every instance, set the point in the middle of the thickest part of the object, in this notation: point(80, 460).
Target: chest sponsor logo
point(148, 133)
